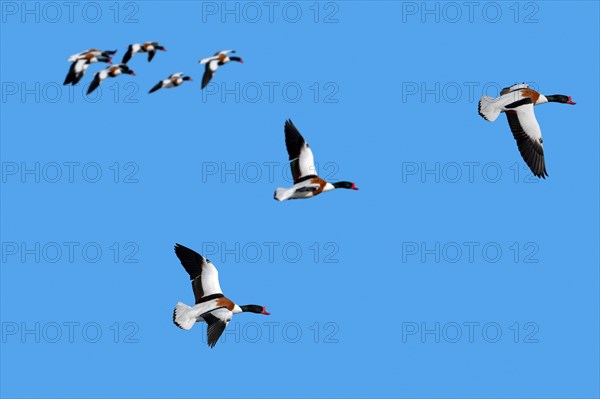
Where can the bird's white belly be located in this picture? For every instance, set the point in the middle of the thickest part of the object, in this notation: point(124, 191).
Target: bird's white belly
point(302, 194)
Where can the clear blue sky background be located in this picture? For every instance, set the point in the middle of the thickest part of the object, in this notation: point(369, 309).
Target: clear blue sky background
point(393, 101)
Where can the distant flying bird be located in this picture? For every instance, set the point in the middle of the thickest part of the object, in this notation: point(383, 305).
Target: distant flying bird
point(148, 47)
point(306, 182)
point(110, 72)
point(213, 63)
point(517, 102)
point(94, 52)
point(173, 80)
point(211, 305)
point(80, 65)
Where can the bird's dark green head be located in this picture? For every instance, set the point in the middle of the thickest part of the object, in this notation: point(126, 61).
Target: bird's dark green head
point(255, 309)
point(345, 184)
point(560, 98)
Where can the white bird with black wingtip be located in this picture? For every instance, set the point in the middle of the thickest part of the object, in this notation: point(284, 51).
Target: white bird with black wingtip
point(80, 66)
point(517, 102)
point(110, 72)
point(173, 80)
point(211, 305)
point(302, 162)
point(213, 63)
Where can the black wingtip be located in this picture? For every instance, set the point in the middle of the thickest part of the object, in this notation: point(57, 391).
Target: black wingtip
point(479, 111)
point(174, 316)
point(155, 88)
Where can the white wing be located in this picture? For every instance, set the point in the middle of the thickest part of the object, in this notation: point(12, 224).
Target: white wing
point(81, 65)
point(214, 65)
point(302, 160)
point(205, 60)
point(527, 133)
point(528, 122)
point(215, 56)
point(210, 279)
point(307, 161)
point(74, 57)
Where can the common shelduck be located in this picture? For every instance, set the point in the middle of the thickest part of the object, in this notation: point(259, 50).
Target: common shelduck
point(148, 47)
point(110, 72)
point(81, 64)
point(517, 102)
point(173, 80)
point(94, 52)
point(306, 182)
point(211, 305)
point(213, 63)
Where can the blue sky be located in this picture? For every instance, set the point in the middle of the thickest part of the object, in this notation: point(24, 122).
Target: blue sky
point(451, 273)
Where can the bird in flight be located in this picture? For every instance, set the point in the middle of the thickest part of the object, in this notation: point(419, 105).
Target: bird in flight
point(517, 102)
point(213, 63)
point(173, 80)
point(94, 52)
point(306, 182)
point(110, 72)
point(211, 306)
point(148, 47)
point(81, 64)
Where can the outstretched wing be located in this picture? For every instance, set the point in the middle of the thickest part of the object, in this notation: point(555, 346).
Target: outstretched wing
point(95, 83)
point(156, 87)
point(209, 71)
point(75, 57)
point(204, 275)
point(225, 52)
point(300, 154)
point(528, 134)
point(128, 54)
point(71, 76)
point(151, 54)
point(215, 56)
point(216, 320)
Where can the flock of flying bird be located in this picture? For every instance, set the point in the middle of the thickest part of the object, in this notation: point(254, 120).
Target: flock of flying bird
point(81, 62)
point(211, 306)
